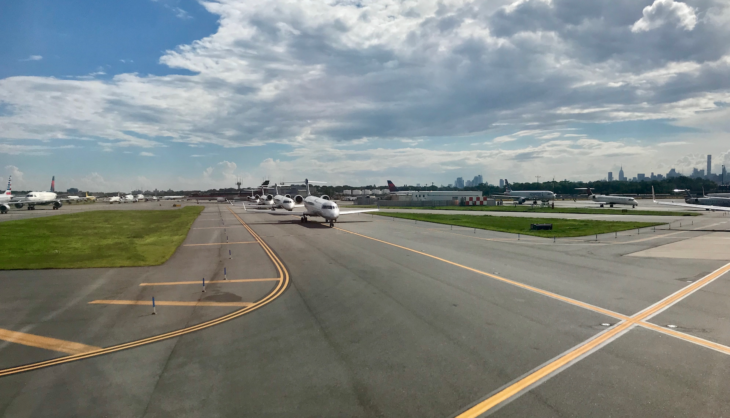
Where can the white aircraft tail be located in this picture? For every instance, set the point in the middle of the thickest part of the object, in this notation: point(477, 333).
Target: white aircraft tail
point(306, 183)
point(8, 192)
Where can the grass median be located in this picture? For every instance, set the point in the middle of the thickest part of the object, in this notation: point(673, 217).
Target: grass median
point(510, 208)
point(95, 239)
point(561, 227)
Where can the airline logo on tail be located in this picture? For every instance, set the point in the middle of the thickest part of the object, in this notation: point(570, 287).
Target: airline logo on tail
point(392, 187)
point(7, 192)
point(53, 184)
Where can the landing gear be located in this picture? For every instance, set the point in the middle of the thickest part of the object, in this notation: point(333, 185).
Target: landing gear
point(611, 205)
point(303, 219)
point(601, 205)
point(332, 224)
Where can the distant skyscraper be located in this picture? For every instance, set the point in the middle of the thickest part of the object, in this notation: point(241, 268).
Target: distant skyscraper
point(621, 176)
point(459, 183)
point(468, 183)
point(672, 174)
point(641, 176)
point(610, 176)
point(501, 182)
point(724, 174)
point(477, 180)
point(709, 165)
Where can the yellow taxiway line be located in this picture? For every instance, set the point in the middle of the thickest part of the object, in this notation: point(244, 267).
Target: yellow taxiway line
point(47, 343)
point(198, 282)
point(221, 243)
point(275, 293)
point(168, 303)
point(587, 347)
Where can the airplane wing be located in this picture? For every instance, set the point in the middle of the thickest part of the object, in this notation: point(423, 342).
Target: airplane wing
point(505, 196)
point(350, 212)
point(689, 205)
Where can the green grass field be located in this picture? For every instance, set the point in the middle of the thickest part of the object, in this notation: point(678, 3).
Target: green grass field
point(521, 208)
point(561, 227)
point(95, 239)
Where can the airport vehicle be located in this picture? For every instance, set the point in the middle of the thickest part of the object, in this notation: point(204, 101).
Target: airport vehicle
point(33, 199)
point(697, 203)
point(321, 206)
point(602, 199)
point(521, 196)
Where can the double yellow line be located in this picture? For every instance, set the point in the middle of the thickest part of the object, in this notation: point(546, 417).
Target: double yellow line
point(278, 291)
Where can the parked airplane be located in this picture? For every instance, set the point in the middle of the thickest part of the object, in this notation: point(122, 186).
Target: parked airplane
point(603, 199)
point(115, 199)
point(171, 197)
point(256, 198)
point(392, 188)
point(140, 198)
point(129, 198)
point(697, 203)
point(92, 198)
point(318, 206)
point(521, 196)
point(34, 199)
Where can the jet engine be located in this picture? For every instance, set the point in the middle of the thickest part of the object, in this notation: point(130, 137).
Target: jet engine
point(288, 196)
point(325, 197)
point(18, 205)
point(57, 205)
point(269, 197)
point(298, 199)
point(257, 196)
point(4, 208)
point(521, 200)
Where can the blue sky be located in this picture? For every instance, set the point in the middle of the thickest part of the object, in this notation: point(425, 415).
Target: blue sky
point(186, 94)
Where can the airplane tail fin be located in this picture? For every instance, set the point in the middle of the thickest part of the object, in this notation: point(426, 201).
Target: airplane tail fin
point(588, 190)
point(8, 191)
point(507, 187)
point(392, 187)
point(653, 196)
point(53, 183)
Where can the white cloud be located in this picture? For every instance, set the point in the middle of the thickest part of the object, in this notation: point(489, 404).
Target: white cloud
point(550, 135)
point(33, 58)
point(15, 173)
point(146, 154)
point(662, 12)
point(672, 143)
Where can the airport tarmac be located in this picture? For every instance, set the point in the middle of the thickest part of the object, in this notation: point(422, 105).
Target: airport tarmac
point(374, 318)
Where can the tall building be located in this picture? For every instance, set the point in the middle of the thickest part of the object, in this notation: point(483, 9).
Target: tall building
point(621, 176)
point(477, 180)
point(709, 165)
point(610, 176)
point(459, 183)
point(468, 183)
point(672, 174)
point(501, 182)
point(724, 174)
point(640, 176)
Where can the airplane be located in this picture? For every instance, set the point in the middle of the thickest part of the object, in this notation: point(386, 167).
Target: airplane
point(699, 203)
point(321, 206)
point(92, 198)
point(74, 198)
point(129, 198)
point(255, 198)
point(705, 200)
point(115, 199)
point(6, 197)
point(280, 201)
point(171, 197)
point(521, 196)
point(603, 199)
point(34, 199)
point(140, 198)
point(391, 187)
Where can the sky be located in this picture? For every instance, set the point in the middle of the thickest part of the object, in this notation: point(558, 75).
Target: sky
point(181, 94)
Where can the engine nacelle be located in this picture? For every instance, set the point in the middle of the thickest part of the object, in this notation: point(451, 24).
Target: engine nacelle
point(298, 199)
point(521, 201)
point(4, 208)
point(18, 205)
point(269, 197)
point(288, 196)
point(325, 197)
point(57, 204)
point(257, 196)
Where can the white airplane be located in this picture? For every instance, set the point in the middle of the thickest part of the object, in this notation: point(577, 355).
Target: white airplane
point(706, 203)
point(279, 201)
point(115, 199)
point(129, 198)
point(171, 197)
point(74, 198)
point(33, 199)
point(6, 197)
point(256, 198)
point(521, 196)
point(603, 199)
point(140, 197)
point(318, 206)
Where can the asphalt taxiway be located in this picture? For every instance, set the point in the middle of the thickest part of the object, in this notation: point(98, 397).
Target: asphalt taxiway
point(375, 317)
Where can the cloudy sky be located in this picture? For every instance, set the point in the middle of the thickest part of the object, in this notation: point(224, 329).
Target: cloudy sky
point(185, 94)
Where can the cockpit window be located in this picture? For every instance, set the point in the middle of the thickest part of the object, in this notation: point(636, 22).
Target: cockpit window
point(327, 207)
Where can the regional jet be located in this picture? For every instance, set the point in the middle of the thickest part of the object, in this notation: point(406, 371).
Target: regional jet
point(521, 196)
point(6, 197)
point(322, 206)
point(603, 199)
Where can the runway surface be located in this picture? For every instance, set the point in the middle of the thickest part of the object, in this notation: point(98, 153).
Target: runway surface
point(374, 318)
